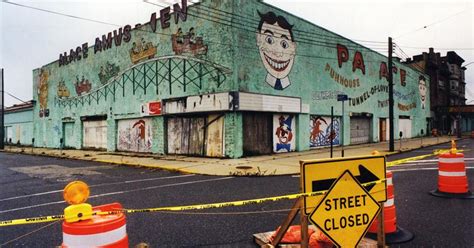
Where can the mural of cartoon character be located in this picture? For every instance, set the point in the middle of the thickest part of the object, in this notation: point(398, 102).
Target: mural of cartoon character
point(284, 134)
point(277, 49)
point(43, 93)
point(422, 89)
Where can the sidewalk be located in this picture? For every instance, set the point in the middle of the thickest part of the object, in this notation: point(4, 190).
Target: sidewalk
point(267, 165)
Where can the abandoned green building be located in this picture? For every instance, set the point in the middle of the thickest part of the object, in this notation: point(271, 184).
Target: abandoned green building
point(222, 79)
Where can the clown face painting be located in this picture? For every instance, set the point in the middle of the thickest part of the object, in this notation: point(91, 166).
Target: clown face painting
point(422, 89)
point(284, 140)
point(277, 49)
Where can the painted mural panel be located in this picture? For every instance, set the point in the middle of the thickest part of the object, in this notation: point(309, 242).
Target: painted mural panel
point(95, 134)
point(285, 133)
point(134, 135)
point(320, 131)
point(215, 136)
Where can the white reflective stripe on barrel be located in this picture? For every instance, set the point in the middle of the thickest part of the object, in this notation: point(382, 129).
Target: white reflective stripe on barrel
point(93, 240)
point(389, 203)
point(389, 181)
point(451, 160)
point(452, 174)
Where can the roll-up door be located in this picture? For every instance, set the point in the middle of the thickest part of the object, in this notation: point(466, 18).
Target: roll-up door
point(360, 130)
point(95, 134)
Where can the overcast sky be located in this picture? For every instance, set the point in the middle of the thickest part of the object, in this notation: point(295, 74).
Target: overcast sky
point(30, 38)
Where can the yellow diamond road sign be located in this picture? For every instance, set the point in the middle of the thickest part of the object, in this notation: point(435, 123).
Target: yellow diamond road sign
point(319, 175)
point(346, 211)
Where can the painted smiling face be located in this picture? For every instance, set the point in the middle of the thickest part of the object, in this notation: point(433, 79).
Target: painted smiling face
point(422, 89)
point(276, 46)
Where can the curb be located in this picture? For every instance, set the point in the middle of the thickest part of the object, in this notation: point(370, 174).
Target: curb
point(184, 171)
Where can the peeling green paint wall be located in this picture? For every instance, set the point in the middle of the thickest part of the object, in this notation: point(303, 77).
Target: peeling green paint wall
point(231, 62)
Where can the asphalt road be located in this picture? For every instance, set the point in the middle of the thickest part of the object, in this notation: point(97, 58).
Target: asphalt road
point(32, 186)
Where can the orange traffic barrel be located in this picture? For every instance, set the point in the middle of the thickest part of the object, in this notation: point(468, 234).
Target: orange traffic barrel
point(452, 178)
point(108, 231)
point(393, 233)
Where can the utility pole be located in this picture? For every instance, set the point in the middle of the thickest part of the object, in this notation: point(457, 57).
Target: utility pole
point(390, 95)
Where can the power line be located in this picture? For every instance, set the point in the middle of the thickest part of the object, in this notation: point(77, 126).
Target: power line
point(439, 48)
point(13, 96)
point(58, 13)
point(433, 23)
point(219, 20)
point(256, 21)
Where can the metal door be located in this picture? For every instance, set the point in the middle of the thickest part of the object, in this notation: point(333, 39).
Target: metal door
point(68, 134)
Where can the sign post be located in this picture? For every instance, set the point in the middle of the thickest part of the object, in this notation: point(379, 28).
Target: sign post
point(342, 98)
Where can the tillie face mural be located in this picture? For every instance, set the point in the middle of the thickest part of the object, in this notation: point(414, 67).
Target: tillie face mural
point(284, 139)
point(43, 93)
point(277, 49)
point(422, 89)
point(134, 135)
point(320, 131)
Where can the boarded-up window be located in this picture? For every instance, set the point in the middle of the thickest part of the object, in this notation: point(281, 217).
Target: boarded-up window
point(95, 134)
point(186, 135)
point(215, 136)
point(201, 136)
point(134, 135)
point(257, 133)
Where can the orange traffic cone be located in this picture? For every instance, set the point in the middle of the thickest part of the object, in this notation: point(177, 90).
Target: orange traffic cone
point(452, 179)
point(393, 233)
point(108, 231)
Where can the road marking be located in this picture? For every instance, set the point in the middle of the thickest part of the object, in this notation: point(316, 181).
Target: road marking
point(96, 185)
point(119, 192)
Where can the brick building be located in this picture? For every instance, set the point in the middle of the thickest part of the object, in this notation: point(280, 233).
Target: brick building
point(447, 87)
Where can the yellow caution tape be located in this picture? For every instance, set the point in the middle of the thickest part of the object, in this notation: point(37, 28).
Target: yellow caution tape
point(180, 208)
point(405, 160)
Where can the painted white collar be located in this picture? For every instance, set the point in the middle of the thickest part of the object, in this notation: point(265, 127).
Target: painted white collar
point(271, 80)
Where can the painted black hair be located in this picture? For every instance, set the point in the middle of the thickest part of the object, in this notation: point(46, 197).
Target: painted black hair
point(272, 18)
point(421, 77)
